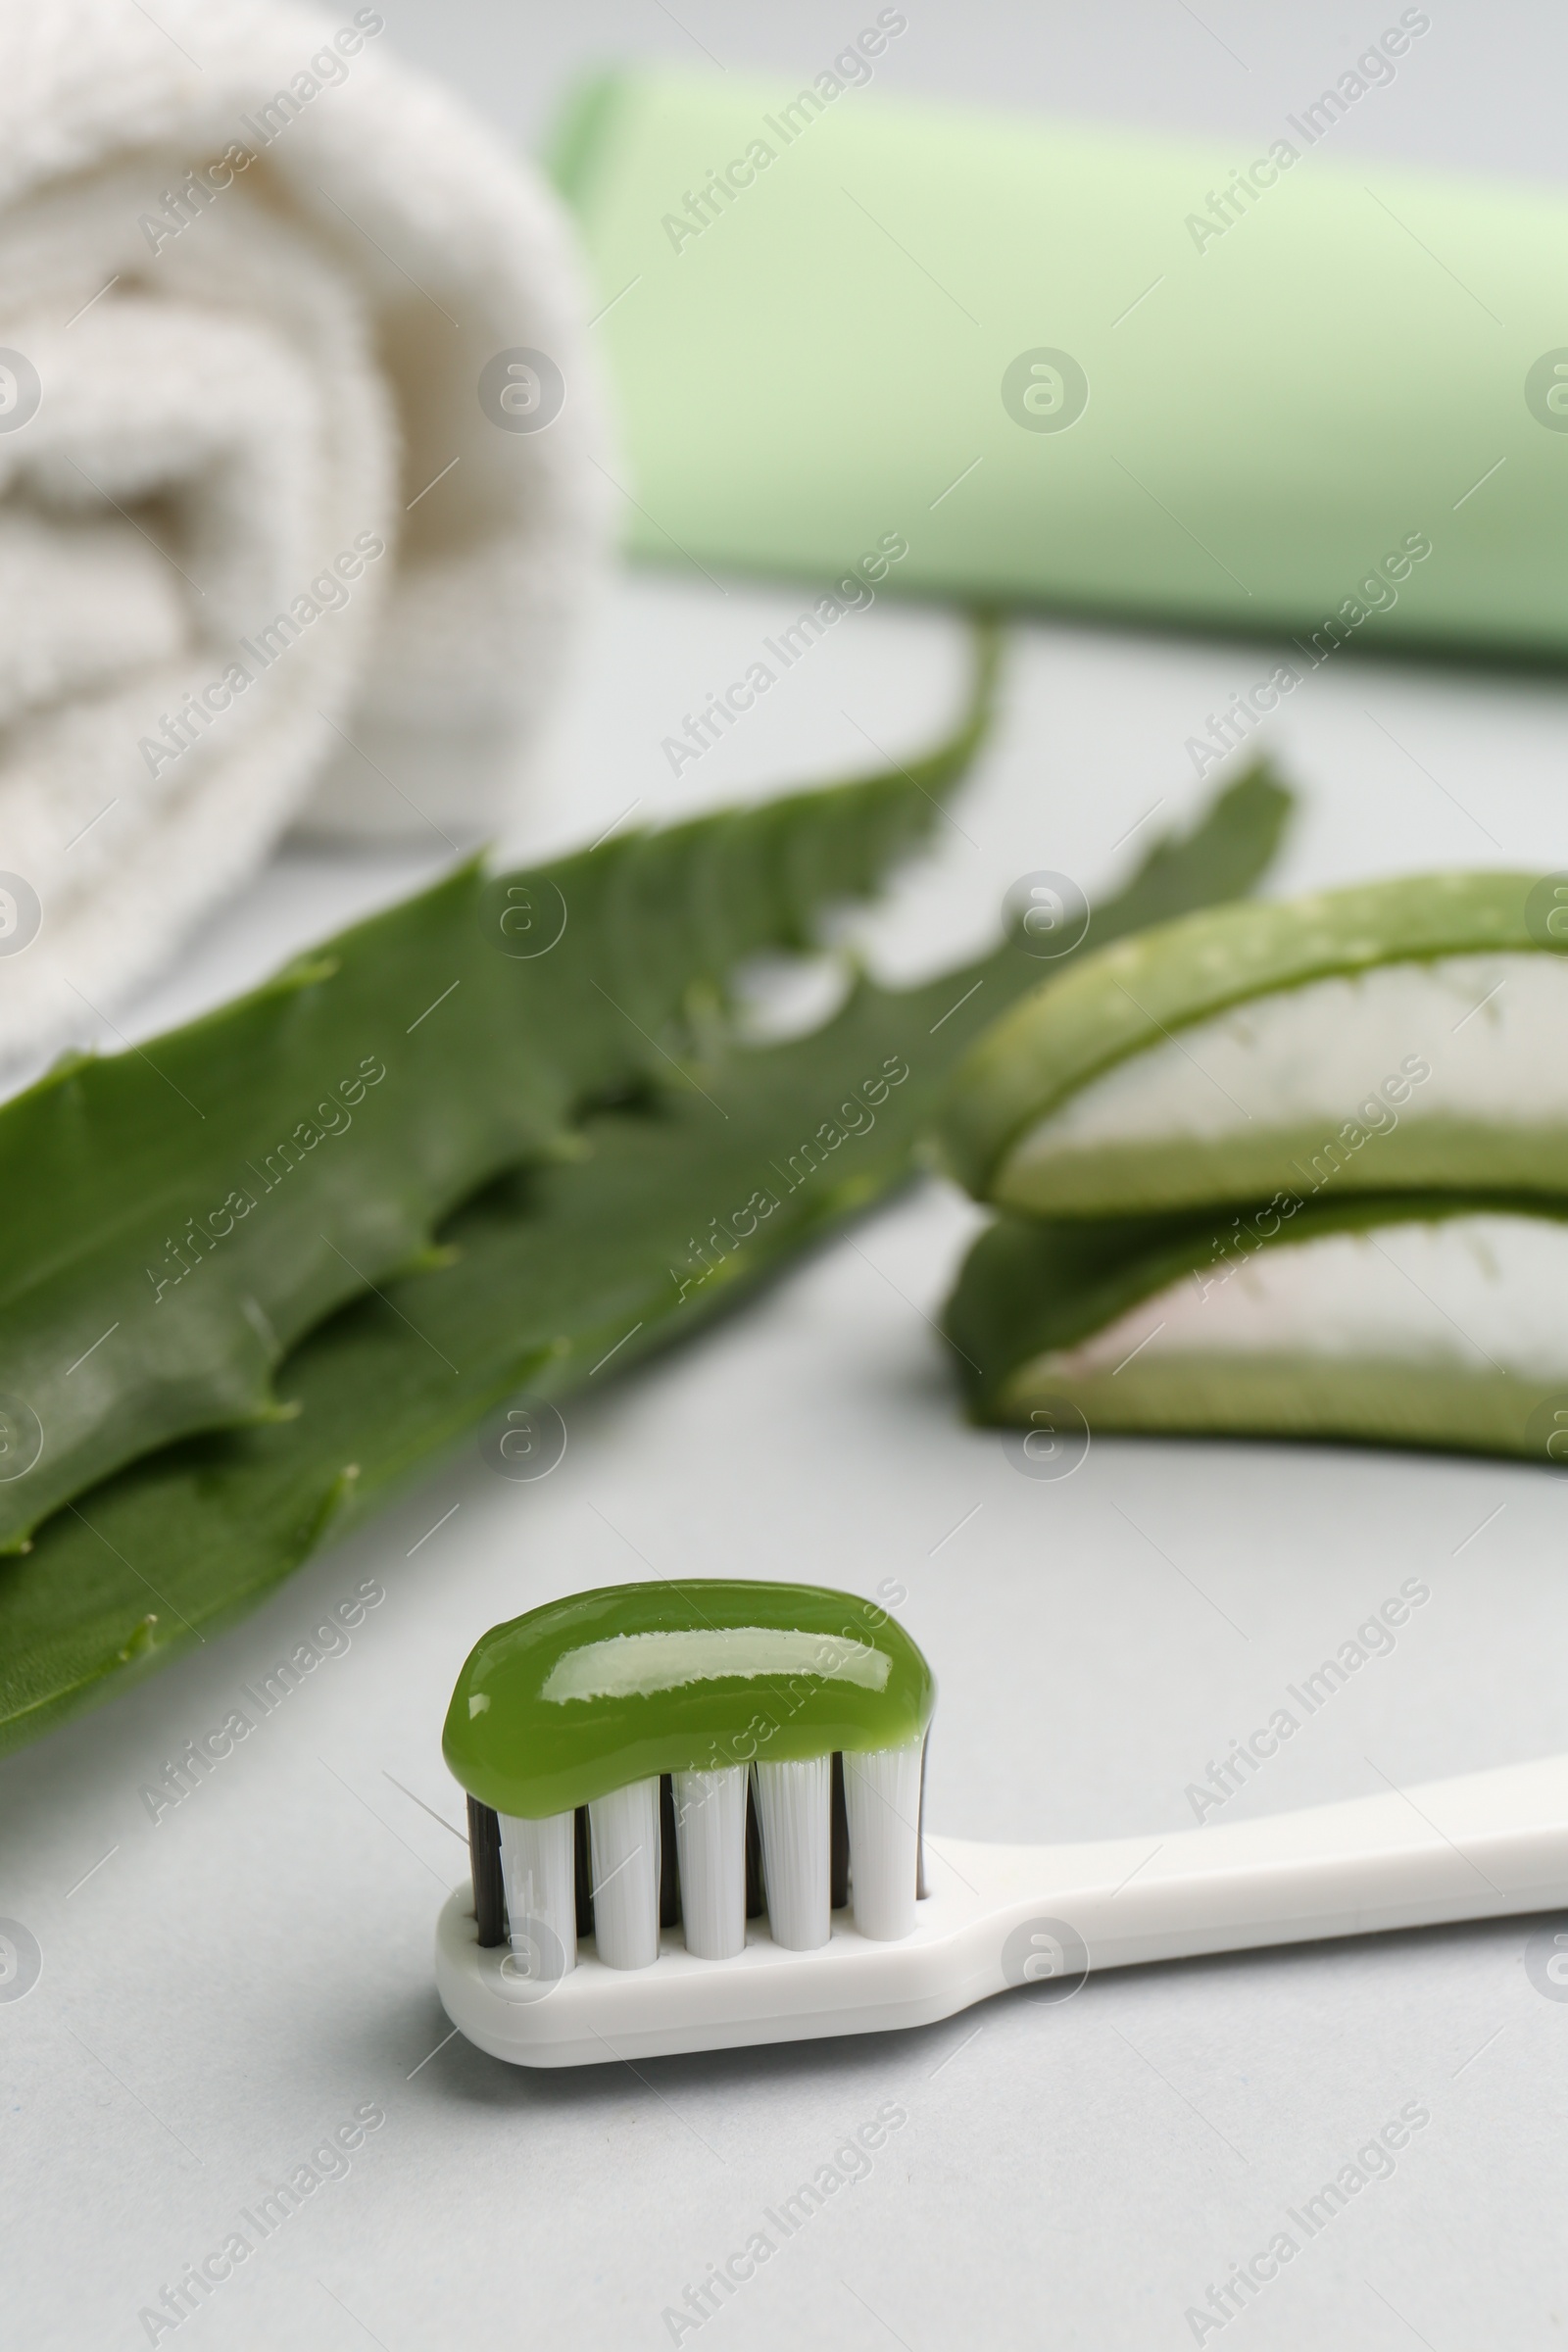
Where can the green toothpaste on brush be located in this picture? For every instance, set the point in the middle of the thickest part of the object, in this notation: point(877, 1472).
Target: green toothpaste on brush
point(1294, 1169)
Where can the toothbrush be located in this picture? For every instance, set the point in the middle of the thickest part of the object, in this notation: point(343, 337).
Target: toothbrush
point(695, 1821)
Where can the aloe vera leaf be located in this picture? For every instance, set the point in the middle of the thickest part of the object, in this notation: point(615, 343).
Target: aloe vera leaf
point(1266, 1324)
point(1099, 1102)
point(179, 1215)
point(554, 1266)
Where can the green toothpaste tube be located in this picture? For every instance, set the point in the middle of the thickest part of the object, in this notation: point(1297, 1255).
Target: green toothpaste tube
point(903, 349)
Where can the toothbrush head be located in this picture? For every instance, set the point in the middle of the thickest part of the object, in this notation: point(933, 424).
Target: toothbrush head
point(678, 1778)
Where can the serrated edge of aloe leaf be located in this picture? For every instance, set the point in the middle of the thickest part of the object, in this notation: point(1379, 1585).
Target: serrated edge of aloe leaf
point(1117, 1001)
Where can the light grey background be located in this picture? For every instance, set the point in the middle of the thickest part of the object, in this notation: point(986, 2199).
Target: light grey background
point(222, 1987)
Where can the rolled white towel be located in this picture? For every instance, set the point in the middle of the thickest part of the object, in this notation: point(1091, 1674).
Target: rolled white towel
point(298, 507)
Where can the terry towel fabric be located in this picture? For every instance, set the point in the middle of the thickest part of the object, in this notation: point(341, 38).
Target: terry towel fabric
point(297, 502)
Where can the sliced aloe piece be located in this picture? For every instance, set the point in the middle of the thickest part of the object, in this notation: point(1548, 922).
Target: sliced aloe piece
point(1404, 1035)
point(1411, 1320)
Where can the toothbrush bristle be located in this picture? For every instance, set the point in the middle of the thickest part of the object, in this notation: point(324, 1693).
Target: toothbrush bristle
point(882, 1794)
point(624, 1844)
point(840, 1825)
point(795, 1804)
point(582, 1874)
point(669, 1870)
point(489, 1893)
point(756, 1891)
point(539, 1862)
point(711, 1824)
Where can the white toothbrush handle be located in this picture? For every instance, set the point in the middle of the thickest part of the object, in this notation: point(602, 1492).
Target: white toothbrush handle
point(1478, 1847)
point(1482, 1845)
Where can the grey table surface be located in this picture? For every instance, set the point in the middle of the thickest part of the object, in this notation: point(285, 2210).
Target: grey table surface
point(224, 1985)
